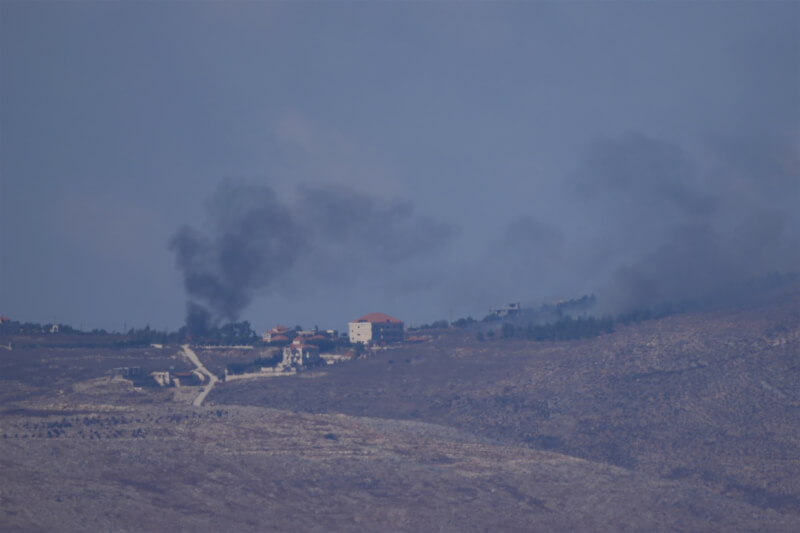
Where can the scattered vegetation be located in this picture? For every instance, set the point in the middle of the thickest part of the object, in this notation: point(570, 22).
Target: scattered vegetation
point(565, 329)
point(464, 322)
point(559, 321)
point(13, 327)
point(232, 333)
point(438, 324)
point(255, 365)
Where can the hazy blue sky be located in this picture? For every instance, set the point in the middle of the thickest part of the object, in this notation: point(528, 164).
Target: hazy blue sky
point(512, 151)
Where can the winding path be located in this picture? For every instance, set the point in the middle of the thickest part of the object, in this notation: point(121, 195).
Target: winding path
point(212, 379)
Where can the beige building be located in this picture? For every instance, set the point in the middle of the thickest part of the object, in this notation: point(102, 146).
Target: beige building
point(300, 355)
point(376, 328)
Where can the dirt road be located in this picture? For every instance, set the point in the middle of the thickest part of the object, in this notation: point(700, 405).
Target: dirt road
point(212, 379)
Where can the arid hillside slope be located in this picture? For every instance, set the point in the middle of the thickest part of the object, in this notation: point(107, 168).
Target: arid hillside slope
point(710, 399)
point(688, 423)
point(258, 469)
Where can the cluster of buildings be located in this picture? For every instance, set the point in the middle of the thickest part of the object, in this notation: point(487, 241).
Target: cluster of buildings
point(178, 378)
point(373, 328)
point(302, 348)
point(284, 334)
point(299, 354)
point(168, 378)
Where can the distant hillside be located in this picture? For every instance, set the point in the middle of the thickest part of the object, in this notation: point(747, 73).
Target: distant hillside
point(681, 423)
point(711, 399)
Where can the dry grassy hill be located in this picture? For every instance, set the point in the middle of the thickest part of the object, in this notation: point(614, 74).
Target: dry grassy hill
point(688, 423)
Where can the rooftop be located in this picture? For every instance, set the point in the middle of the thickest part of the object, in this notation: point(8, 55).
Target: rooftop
point(378, 318)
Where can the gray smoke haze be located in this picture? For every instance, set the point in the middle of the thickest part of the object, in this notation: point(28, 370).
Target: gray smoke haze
point(645, 220)
point(643, 223)
point(257, 242)
point(676, 233)
point(639, 150)
point(646, 224)
point(664, 214)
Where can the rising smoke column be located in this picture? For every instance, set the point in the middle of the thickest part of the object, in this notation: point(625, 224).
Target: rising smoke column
point(257, 242)
point(253, 239)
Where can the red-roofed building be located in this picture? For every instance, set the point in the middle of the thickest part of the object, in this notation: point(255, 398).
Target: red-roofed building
point(274, 332)
point(377, 318)
point(376, 328)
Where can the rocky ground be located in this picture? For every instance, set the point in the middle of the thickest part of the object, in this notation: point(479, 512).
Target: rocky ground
point(688, 423)
point(260, 469)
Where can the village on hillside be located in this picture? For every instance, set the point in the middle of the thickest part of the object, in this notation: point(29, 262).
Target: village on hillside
point(307, 349)
point(238, 352)
point(285, 351)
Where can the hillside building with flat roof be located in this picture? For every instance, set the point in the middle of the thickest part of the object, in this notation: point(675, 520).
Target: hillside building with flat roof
point(376, 328)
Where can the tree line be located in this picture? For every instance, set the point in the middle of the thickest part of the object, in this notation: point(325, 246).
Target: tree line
point(232, 333)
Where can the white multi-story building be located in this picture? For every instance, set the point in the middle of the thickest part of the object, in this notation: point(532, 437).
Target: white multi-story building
point(376, 328)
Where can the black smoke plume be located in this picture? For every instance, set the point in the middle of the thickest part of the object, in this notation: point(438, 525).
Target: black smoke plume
point(257, 242)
